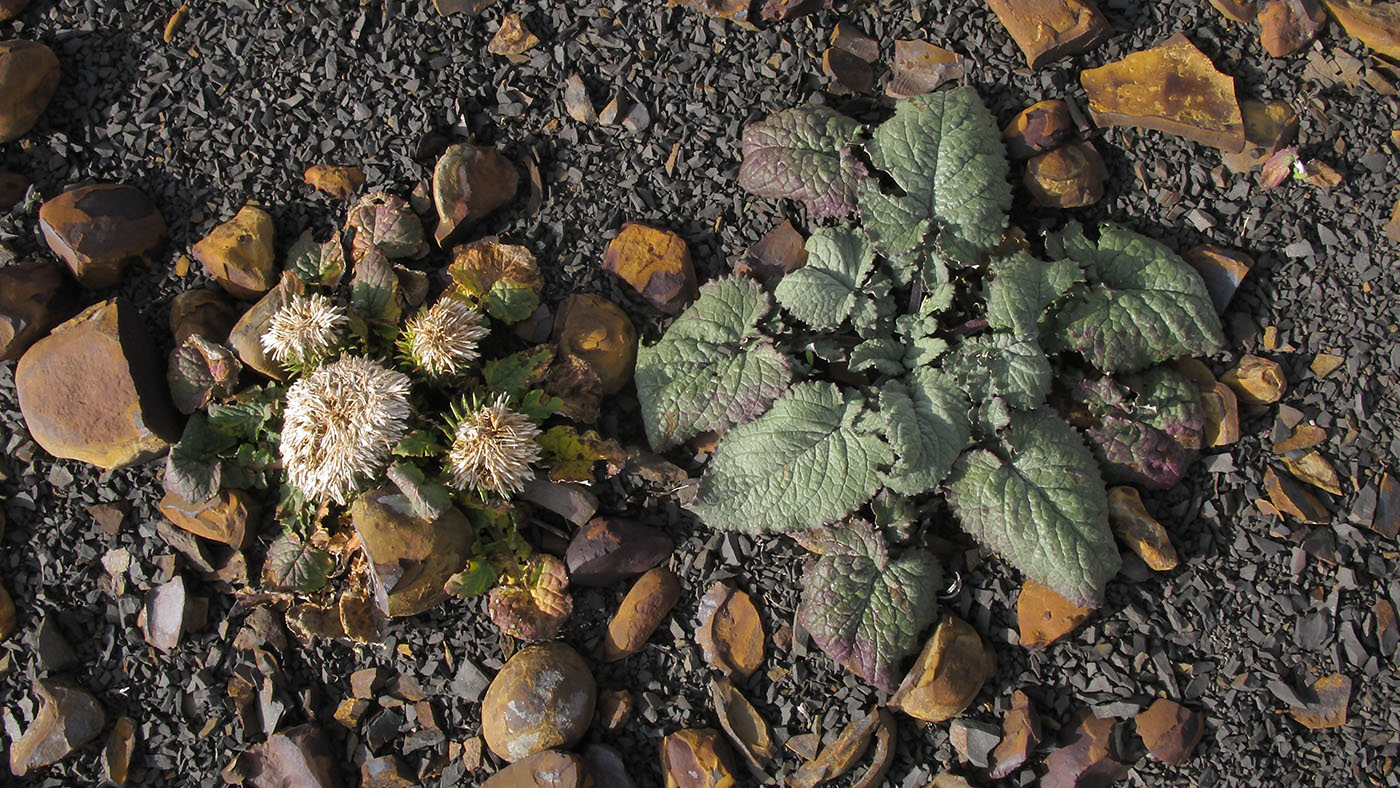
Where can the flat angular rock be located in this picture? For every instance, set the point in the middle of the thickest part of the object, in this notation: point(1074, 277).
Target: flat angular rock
point(1256, 380)
point(163, 617)
point(68, 718)
point(224, 518)
point(741, 721)
point(1070, 176)
point(573, 502)
point(1375, 24)
point(1222, 412)
point(730, 634)
point(1286, 26)
point(656, 263)
point(920, 67)
point(301, 756)
point(1087, 757)
point(1305, 436)
point(1221, 269)
point(550, 769)
point(1324, 704)
point(338, 180)
point(1387, 631)
point(410, 557)
point(849, 73)
point(614, 709)
point(973, 741)
point(1020, 733)
point(470, 182)
point(31, 303)
point(246, 335)
point(697, 758)
point(116, 757)
point(780, 251)
point(29, 75)
point(450, 7)
point(387, 771)
point(94, 391)
point(641, 612)
point(542, 698)
point(1242, 11)
point(1172, 88)
point(1043, 616)
point(1386, 519)
point(599, 334)
point(98, 229)
point(1293, 499)
point(1047, 30)
point(610, 549)
point(512, 39)
point(1324, 364)
point(1170, 730)
point(239, 253)
point(948, 674)
point(1138, 530)
point(1038, 128)
point(52, 649)
point(1312, 468)
point(203, 312)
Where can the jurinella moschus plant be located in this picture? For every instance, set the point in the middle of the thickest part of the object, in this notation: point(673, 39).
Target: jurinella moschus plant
point(387, 393)
point(914, 369)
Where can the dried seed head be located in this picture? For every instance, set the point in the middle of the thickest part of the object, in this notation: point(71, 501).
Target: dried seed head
point(339, 426)
point(492, 449)
point(304, 329)
point(442, 338)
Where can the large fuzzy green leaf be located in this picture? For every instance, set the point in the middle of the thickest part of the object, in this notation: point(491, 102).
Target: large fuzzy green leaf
point(296, 565)
point(822, 292)
point(1021, 288)
point(926, 424)
point(864, 610)
point(1144, 429)
point(801, 465)
point(1001, 365)
point(803, 154)
point(1038, 500)
point(945, 153)
point(1143, 305)
point(712, 369)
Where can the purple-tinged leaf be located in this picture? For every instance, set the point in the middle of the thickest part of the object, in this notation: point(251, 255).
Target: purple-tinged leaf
point(1279, 167)
point(201, 371)
point(1144, 429)
point(384, 222)
point(535, 604)
point(296, 565)
point(804, 154)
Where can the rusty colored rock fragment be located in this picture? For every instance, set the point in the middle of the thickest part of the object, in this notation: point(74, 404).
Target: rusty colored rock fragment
point(641, 612)
point(1286, 26)
point(1172, 88)
point(1139, 530)
point(223, 518)
point(920, 67)
point(1324, 704)
point(1375, 24)
point(1222, 412)
point(697, 758)
point(31, 301)
point(731, 632)
point(1070, 176)
point(29, 76)
point(1047, 30)
point(1038, 128)
point(100, 228)
point(1170, 730)
point(239, 253)
point(1293, 499)
point(1043, 616)
point(948, 674)
point(742, 722)
point(1020, 733)
point(1221, 269)
point(542, 698)
point(656, 263)
point(1256, 380)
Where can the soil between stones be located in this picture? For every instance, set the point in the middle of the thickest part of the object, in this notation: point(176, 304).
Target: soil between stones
point(251, 93)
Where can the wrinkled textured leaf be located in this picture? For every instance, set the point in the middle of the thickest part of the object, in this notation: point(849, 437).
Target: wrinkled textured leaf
point(803, 154)
point(418, 443)
point(1022, 287)
point(1000, 365)
point(1144, 429)
point(249, 415)
point(926, 424)
point(201, 371)
point(944, 151)
point(475, 579)
point(881, 354)
point(295, 565)
point(374, 289)
point(317, 263)
point(711, 369)
point(800, 465)
point(429, 500)
point(1039, 501)
point(501, 279)
point(864, 610)
point(570, 455)
point(534, 608)
point(822, 292)
point(518, 373)
point(192, 468)
point(1143, 305)
point(384, 222)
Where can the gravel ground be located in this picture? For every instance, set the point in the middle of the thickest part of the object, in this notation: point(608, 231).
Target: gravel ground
point(250, 93)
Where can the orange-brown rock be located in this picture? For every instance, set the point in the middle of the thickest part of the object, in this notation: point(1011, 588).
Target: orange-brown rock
point(470, 182)
point(1088, 757)
point(68, 718)
point(246, 335)
point(223, 518)
point(1222, 411)
point(614, 709)
point(596, 331)
point(730, 633)
point(512, 39)
point(948, 674)
point(29, 74)
point(656, 263)
point(93, 390)
point(1242, 11)
point(238, 254)
point(1293, 499)
point(541, 699)
point(697, 758)
point(1043, 616)
point(1256, 381)
point(549, 769)
point(1286, 26)
point(1221, 269)
point(840, 757)
point(1047, 30)
point(848, 73)
point(410, 557)
point(1268, 127)
point(9, 9)
point(1139, 530)
point(98, 229)
point(1392, 227)
point(1020, 733)
point(202, 312)
point(1172, 88)
point(1070, 176)
point(1313, 468)
point(920, 67)
point(641, 612)
point(1304, 436)
point(780, 251)
point(30, 304)
point(1324, 704)
point(1170, 730)
point(1037, 128)
point(338, 180)
point(1324, 364)
point(1375, 24)
point(741, 721)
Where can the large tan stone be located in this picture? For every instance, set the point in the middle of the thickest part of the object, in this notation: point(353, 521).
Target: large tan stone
point(1173, 88)
point(411, 557)
point(68, 718)
point(30, 304)
point(1377, 25)
point(246, 335)
point(948, 674)
point(93, 390)
point(223, 518)
point(29, 75)
point(541, 699)
point(656, 263)
point(1047, 30)
point(98, 229)
point(239, 253)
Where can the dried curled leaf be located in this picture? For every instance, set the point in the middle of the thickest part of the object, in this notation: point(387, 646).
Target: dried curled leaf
point(535, 605)
point(501, 279)
point(571, 455)
point(201, 371)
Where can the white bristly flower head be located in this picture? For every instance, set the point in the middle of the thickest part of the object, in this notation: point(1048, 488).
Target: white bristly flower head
point(304, 329)
point(492, 449)
point(442, 338)
point(339, 426)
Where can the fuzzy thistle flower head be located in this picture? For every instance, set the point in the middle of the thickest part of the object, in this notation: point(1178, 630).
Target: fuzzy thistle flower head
point(303, 330)
point(442, 339)
point(340, 424)
point(492, 449)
